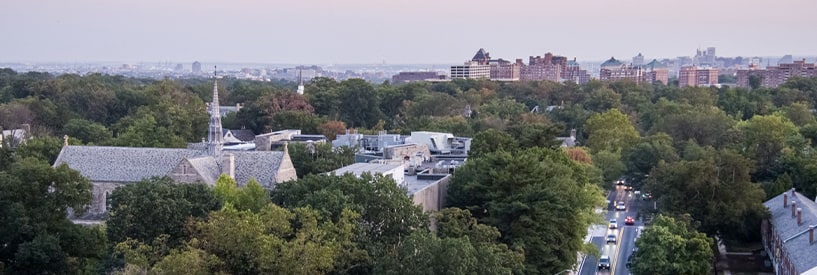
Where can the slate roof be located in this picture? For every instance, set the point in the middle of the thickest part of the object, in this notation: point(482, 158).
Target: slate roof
point(797, 240)
point(207, 168)
point(263, 166)
point(132, 164)
point(654, 64)
point(122, 164)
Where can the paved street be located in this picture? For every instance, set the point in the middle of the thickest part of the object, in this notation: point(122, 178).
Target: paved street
point(625, 235)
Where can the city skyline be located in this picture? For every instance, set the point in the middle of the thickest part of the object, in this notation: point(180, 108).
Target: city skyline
point(415, 32)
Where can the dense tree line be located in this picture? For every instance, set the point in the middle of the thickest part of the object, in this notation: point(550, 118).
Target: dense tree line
point(710, 155)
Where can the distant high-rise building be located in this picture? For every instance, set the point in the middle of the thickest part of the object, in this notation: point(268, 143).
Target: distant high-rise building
point(196, 67)
point(786, 59)
point(704, 58)
point(697, 76)
point(481, 57)
point(179, 67)
point(774, 76)
point(537, 72)
point(502, 70)
point(638, 60)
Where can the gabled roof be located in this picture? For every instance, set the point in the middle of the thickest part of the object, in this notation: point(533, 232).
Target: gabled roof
point(263, 166)
point(796, 238)
point(132, 164)
point(122, 164)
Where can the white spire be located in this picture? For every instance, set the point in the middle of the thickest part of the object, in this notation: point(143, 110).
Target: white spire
point(300, 81)
point(215, 137)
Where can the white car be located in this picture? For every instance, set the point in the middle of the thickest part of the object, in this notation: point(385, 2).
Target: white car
point(613, 224)
point(621, 207)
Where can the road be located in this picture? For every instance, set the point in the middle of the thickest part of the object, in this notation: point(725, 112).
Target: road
point(625, 235)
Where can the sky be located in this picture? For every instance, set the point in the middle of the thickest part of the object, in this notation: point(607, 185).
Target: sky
point(397, 31)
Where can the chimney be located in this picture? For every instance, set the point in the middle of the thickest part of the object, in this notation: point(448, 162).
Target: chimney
point(573, 133)
point(810, 234)
point(228, 165)
point(799, 216)
point(785, 200)
point(64, 140)
point(793, 206)
point(792, 193)
point(26, 130)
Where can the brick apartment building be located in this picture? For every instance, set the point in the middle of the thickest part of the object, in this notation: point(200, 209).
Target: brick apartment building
point(697, 76)
point(774, 76)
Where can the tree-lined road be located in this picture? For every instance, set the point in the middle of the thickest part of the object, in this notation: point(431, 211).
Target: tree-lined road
point(625, 234)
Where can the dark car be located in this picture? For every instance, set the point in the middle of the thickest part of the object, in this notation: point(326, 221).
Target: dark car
point(604, 262)
point(620, 181)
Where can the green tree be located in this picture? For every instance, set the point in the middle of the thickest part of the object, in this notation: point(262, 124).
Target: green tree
point(319, 158)
point(672, 246)
point(87, 131)
point(715, 189)
point(359, 106)
point(145, 210)
point(491, 141)
point(532, 195)
point(35, 232)
point(387, 213)
point(611, 131)
point(610, 164)
point(640, 159)
point(764, 140)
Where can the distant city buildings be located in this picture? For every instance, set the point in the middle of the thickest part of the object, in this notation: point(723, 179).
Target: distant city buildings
point(705, 58)
point(614, 70)
point(406, 77)
point(697, 76)
point(196, 67)
point(638, 60)
point(774, 76)
point(539, 68)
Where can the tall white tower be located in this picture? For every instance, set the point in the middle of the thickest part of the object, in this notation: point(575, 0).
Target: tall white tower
point(300, 81)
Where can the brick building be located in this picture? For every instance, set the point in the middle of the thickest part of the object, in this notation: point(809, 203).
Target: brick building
point(697, 76)
point(774, 76)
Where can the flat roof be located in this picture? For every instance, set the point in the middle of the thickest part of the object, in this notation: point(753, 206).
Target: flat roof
point(414, 184)
point(373, 168)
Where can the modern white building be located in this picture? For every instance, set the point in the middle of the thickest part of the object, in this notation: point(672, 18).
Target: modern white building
point(471, 69)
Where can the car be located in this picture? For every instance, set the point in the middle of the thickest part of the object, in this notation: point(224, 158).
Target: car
point(611, 238)
point(604, 262)
point(646, 196)
point(621, 207)
point(629, 220)
point(628, 188)
point(620, 181)
point(613, 224)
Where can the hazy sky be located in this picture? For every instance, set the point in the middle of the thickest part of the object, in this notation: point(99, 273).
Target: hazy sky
point(397, 31)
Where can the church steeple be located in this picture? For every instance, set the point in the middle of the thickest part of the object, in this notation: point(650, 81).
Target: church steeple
point(300, 81)
point(215, 138)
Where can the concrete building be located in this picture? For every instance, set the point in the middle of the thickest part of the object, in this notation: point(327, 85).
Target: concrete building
point(774, 76)
point(406, 77)
point(109, 167)
point(574, 73)
point(697, 76)
point(503, 70)
point(788, 235)
point(427, 189)
point(539, 72)
point(471, 69)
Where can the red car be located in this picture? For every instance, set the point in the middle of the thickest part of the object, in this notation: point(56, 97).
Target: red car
point(629, 221)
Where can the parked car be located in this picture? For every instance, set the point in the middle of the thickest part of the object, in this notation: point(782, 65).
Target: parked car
point(629, 220)
point(613, 224)
point(604, 262)
point(611, 238)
